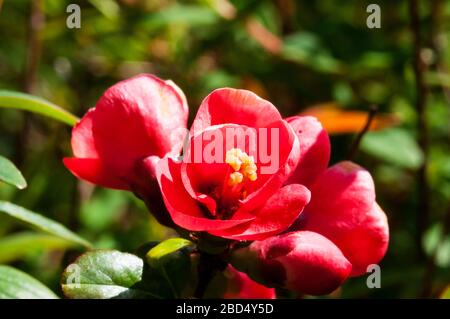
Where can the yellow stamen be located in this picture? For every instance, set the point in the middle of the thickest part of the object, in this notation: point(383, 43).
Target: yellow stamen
point(243, 165)
point(235, 178)
point(233, 158)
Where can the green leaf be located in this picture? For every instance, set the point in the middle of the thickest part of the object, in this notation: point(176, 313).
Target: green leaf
point(10, 174)
point(157, 254)
point(307, 49)
point(437, 245)
point(27, 102)
point(15, 284)
point(41, 223)
point(22, 244)
point(109, 8)
point(395, 146)
point(171, 259)
point(188, 15)
point(103, 209)
point(103, 275)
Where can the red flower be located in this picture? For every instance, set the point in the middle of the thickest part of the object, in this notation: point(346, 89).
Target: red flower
point(235, 193)
point(129, 124)
point(240, 286)
point(134, 124)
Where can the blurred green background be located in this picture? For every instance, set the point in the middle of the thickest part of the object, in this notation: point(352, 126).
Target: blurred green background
point(294, 53)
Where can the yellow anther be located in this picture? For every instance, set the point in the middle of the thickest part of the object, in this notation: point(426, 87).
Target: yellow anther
point(243, 164)
point(235, 178)
point(249, 168)
point(233, 161)
point(233, 158)
point(252, 177)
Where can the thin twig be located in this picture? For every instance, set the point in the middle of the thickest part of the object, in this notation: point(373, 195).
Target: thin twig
point(34, 45)
point(32, 59)
point(421, 101)
point(355, 146)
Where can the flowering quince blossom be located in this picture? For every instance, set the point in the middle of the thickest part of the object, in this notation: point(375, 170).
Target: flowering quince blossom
point(235, 196)
point(246, 174)
point(118, 142)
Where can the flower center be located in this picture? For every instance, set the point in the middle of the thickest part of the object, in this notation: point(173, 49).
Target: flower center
point(242, 168)
point(243, 165)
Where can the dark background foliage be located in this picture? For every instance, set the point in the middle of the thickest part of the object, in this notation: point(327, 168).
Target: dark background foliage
point(294, 53)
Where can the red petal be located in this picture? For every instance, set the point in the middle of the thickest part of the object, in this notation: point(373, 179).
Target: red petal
point(275, 216)
point(240, 286)
point(94, 171)
point(83, 144)
point(343, 209)
point(182, 207)
point(200, 179)
point(314, 149)
point(234, 106)
point(135, 119)
point(366, 244)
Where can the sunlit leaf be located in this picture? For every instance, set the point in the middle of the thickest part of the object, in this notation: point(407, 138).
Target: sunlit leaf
point(394, 146)
point(10, 174)
point(103, 275)
point(41, 223)
point(27, 102)
point(19, 245)
point(109, 8)
point(15, 284)
point(339, 121)
point(156, 255)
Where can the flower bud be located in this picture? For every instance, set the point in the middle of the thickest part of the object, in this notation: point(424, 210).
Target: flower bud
point(302, 261)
